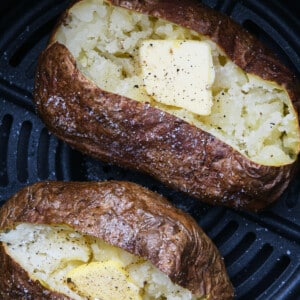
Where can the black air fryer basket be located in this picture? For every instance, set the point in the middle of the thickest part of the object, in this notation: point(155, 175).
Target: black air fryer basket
point(261, 251)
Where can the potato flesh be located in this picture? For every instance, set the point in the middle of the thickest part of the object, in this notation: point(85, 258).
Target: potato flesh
point(254, 116)
point(50, 253)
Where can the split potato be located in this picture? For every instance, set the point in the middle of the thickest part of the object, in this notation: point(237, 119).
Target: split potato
point(121, 81)
point(104, 240)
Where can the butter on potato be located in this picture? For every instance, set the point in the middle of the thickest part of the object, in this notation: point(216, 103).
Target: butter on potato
point(118, 237)
point(91, 92)
point(178, 73)
point(252, 115)
point(85, 267)
point(107, 280)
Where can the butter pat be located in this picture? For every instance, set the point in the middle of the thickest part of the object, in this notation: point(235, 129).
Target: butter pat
point(103, 280)
point(179, 73)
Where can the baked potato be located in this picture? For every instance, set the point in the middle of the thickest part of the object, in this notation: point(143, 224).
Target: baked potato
point(104, 240)
point(176, 90)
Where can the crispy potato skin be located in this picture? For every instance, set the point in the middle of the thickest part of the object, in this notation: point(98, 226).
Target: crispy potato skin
point(132, 134)
point(125, 215)
point(128, 133)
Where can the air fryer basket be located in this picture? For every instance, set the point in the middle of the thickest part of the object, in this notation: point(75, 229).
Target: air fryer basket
point(261, 251)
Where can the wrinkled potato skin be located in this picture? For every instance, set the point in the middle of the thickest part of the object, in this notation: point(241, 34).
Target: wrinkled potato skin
point(125, 215)
point(125, 132)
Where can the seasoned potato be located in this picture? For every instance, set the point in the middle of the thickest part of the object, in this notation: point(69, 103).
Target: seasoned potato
point(235, 143)
point(106, 240)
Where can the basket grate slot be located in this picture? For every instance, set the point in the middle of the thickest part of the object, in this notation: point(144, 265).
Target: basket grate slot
point(267, 280)
point(253, 265)
point(5, 128)
point(240, 249)
point(43, 154)
point(22, 150)
point(226, 233)
point(59, 167)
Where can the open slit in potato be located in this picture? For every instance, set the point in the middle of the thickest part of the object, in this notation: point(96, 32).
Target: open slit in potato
point(252, 115)
point(66, 239)
point(50, 253)
point(90, 93)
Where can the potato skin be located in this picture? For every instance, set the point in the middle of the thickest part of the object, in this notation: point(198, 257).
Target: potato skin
point(125, 215)
point(125, 132)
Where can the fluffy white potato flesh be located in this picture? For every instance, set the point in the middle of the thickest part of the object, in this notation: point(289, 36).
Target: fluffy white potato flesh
point(254, 116)
point(80, 266)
